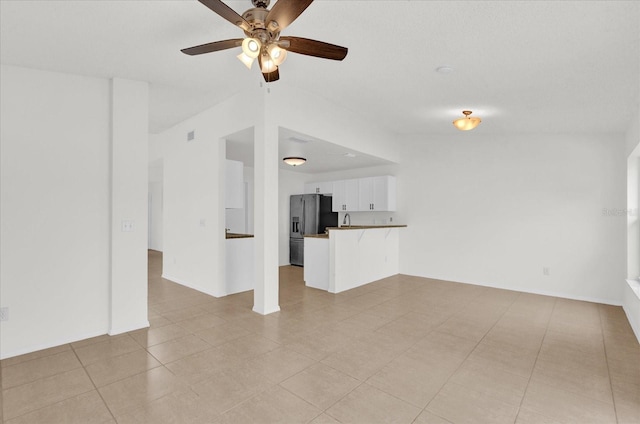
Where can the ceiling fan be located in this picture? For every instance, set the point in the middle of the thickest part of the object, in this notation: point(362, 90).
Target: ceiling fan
point(263, 41)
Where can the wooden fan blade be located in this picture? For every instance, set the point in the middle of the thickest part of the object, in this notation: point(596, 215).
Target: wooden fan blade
point(226, 12)
point(286, 11)
point(314, 48)
point(212, 47)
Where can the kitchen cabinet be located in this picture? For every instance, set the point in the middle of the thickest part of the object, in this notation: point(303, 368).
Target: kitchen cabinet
point(377, 193)
point(239, 264)
point(345, 195)
point(234, 186)
point(323, 187)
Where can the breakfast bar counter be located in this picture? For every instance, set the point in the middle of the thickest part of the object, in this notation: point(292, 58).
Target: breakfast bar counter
point(364, 227)
point(351, 256)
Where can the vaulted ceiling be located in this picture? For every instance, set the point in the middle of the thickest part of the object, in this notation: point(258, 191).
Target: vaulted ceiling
point(523, 66)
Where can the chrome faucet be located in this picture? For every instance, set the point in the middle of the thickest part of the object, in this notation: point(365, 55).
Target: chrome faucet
point(344, 221)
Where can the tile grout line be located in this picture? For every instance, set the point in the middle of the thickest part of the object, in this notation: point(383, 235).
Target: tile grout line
point(424, 409)
point(406, 350)
point(606, 360)
point(469, 354)
point(53, 375)
point(94, 384)
point(546, 329)
point(324, 411)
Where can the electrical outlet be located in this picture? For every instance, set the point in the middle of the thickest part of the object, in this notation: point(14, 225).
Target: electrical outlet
point(545, 270)
point(127, 226)
point(4, 314)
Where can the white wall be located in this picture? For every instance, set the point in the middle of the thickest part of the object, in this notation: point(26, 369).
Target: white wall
point(155, 216)
point(249, 206)
point(496, 210)
point(129, 204)
point(631, 291)
point(632, 136)
point(55, 208)
point(632, 140)
point(156, 177)
point(193, 172)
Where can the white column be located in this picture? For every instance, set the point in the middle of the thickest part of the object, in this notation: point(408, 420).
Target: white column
point(129, 188)
point(633, 224)
point(220, 284)
point(265, 295)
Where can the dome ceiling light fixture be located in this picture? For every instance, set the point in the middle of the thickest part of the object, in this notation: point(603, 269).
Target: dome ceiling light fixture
point(467, 123)
point(294, 160)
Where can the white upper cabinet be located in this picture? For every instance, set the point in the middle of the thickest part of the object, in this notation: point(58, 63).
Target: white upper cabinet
point(324, 187)
point(377, 193)
point(234, 186)
point(345, 195)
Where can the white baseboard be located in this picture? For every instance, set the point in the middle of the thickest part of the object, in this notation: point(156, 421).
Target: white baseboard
point(37, 347)
point(240, 290)
point(266, 312)
point(531, 291)
point(116, 331)
point(192, 286)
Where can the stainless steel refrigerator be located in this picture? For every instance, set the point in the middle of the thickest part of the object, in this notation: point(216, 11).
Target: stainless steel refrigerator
point(309, 214)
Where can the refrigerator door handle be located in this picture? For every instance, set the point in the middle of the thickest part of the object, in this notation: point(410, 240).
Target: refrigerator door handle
point(303, 216)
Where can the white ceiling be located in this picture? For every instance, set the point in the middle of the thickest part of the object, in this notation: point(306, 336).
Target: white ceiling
point(322, 156)
point(523, 66)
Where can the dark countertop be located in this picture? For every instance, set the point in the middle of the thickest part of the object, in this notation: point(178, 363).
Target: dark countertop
point(320, 236)
point(364, 227)
point(237, 236)
point(352, 227)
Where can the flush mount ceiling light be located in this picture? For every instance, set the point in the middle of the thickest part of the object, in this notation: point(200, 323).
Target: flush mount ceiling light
point(467, 123)
point(294, 160)
point(299, 140)
point(262, 41)
point(444, 70)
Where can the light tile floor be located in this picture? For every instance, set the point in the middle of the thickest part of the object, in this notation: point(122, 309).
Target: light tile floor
point(400, 350)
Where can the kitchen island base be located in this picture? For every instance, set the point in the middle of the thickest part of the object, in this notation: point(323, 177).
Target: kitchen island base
point(351, 257)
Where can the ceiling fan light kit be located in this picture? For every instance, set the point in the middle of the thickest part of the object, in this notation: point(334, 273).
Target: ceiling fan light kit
point(251, 47)
point(467, 122)
point(276, 53)
point(294, 160)
point(247, 60)
point(262, 36)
